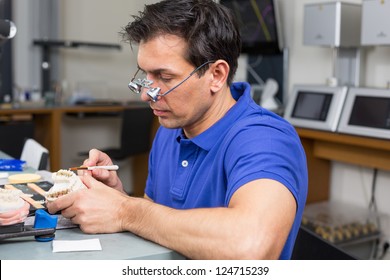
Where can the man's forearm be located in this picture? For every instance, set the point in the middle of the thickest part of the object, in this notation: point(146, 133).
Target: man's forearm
point(212, 233)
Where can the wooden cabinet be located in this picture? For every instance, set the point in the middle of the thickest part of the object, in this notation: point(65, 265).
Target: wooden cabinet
point(323, 147)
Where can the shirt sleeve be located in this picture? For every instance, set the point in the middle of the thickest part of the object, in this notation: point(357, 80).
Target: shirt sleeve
point(266, 149)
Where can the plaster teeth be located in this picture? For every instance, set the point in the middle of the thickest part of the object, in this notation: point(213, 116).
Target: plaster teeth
point(10, 200)
point(65, 181)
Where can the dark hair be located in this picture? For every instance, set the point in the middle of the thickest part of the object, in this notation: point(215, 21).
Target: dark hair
point(209, 29)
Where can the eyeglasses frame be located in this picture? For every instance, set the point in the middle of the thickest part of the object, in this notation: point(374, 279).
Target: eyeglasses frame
point(154, 93)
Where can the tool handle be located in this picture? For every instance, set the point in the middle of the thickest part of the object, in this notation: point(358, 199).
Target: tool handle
point(106, 167)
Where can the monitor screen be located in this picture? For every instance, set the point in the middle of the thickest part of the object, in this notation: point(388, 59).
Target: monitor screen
point(371, 112)
point(316, 106)
point(312, 105)
point(257, 20)
point(367, 113)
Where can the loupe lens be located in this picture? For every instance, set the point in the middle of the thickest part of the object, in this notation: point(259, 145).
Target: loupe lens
point(153, 93)
point(134, 87)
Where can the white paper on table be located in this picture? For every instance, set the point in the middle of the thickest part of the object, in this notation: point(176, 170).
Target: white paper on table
point(76, 245)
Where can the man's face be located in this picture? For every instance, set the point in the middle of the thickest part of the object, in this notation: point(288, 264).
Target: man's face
point(187, 107)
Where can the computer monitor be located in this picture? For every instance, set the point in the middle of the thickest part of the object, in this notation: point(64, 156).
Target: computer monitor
point(315, 106)
point(367, 113)
point(259, 25)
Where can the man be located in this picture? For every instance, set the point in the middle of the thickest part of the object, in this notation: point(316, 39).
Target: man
point(227, 179)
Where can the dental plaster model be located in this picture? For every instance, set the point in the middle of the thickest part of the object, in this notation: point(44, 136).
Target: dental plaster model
point(65, 181)
point(13, 209)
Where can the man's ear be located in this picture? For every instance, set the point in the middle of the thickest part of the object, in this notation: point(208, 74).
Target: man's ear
point(219, 71)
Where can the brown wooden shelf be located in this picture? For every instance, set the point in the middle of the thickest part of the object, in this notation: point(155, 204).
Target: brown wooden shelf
point(322, 147)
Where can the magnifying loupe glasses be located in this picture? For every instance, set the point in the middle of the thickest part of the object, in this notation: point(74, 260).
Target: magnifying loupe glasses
point(137, 85)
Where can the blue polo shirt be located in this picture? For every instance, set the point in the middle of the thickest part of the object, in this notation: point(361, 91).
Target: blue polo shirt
point(247, 144)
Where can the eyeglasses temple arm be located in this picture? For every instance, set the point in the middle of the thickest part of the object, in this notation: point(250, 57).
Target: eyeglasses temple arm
point(189, 76)
point(132, 79)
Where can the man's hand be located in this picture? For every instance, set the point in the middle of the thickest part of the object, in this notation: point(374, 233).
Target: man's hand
point(96, 209)
point(109, 178)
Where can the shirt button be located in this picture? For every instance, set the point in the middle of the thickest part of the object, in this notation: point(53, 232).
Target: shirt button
point(184, 163)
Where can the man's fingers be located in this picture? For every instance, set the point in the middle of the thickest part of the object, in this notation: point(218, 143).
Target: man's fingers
point(89, 181)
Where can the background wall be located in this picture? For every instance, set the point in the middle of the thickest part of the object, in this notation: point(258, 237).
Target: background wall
point(100, 21)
